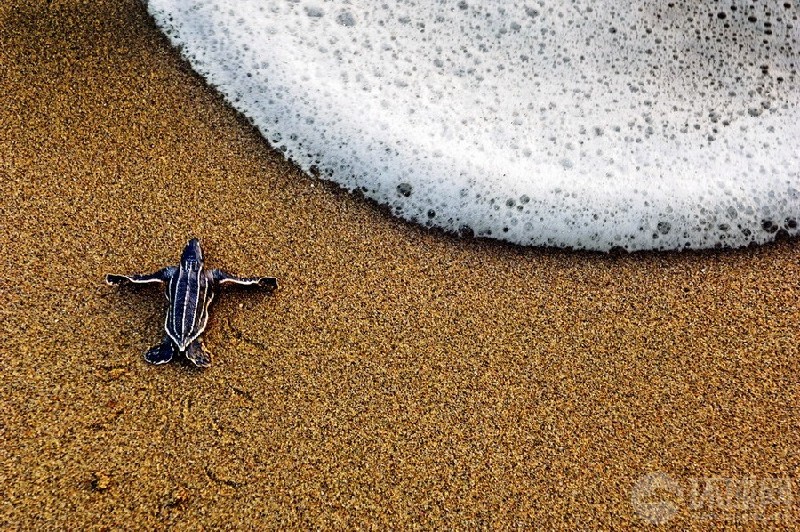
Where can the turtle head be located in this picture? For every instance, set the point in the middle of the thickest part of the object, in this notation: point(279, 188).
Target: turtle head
point(192, 255)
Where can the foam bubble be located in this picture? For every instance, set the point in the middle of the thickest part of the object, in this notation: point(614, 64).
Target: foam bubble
point(590, 124)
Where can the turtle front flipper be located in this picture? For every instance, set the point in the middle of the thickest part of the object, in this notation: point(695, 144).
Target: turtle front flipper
point(161, 353)
point(223, 277)
point(198, 355)
point(161, 276)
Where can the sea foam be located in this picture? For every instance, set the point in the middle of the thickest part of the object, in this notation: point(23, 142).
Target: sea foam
point(586, 123)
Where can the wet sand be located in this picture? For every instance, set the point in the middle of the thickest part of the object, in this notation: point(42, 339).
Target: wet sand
point(399, 376)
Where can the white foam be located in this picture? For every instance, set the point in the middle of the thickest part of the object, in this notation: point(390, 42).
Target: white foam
point(591, 123)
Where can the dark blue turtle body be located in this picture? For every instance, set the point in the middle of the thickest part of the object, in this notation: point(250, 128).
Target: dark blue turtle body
point(190, 290)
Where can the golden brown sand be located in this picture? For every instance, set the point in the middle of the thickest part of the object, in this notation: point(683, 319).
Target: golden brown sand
point(399, 377)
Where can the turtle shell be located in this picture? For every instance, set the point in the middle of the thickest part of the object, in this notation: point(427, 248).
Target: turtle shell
point(190, 292)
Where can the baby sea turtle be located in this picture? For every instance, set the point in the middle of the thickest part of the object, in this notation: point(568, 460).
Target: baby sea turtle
point(190, 290)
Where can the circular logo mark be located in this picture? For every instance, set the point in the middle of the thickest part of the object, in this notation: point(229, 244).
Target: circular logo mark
point(647, 497)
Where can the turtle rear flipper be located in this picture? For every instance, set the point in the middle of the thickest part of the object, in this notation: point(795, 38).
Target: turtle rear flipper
point(198, 355)
point(161, 353)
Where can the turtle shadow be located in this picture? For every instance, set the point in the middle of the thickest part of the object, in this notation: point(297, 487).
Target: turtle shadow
point(182, 361)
